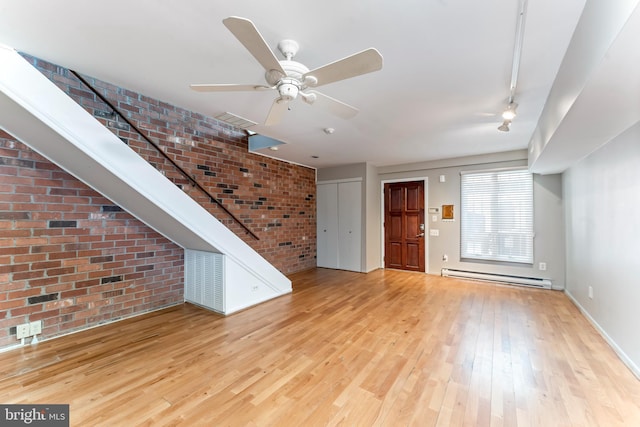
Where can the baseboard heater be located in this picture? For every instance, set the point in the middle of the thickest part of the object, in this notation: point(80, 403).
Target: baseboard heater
point(498, 278)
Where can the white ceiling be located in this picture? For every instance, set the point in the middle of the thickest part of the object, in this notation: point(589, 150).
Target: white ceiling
point(445, 80)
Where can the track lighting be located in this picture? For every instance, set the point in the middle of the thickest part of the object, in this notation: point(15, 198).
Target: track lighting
point(510, 113)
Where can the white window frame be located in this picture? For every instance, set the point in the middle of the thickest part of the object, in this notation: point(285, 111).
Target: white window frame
point(497, 215)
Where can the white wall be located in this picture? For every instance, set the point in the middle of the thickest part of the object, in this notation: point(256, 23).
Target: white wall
point(602, 204)
point(372, 200)
point(548, 215)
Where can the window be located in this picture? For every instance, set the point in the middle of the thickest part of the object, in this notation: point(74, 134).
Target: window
point(496, 217)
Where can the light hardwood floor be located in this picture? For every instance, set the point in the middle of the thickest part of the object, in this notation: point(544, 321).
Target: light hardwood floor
point(388, 348)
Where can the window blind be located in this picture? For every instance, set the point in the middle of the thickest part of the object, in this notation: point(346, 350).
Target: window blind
point(496, 218)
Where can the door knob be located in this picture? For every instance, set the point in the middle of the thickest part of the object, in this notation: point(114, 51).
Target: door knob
point(420, 235)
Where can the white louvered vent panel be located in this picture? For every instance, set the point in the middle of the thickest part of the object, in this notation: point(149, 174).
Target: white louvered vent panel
point(204, 279)
point(213, 295)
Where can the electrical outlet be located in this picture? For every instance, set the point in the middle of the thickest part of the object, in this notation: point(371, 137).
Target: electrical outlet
point(542, 266)
point(591, 292)
point(22, 331)
point(445, 258)
point(35, 328)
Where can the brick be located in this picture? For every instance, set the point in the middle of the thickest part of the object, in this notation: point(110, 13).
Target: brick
point(51, 305)
point(13, 251)
point(44, 315)
point(45, 281)
point(100, 259)
point(62, 224)
point(62, 255)
point(73, 325)
point(111, 279)
point(45, 265)
point(73, 293)
point(87, 283)
point(28, 275)
point(60, 271)
point(11, 268)
point(42, 298)
point(22, 294)
point(111, 294)
point(7, 305)
point(84, 269)
point(56, 287)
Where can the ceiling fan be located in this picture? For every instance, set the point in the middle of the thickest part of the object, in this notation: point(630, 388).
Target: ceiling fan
point(292, 79)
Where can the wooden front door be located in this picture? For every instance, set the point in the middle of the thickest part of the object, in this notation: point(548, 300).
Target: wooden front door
point(404, 225)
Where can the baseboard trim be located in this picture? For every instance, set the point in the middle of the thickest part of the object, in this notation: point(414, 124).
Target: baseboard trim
point(621, 354)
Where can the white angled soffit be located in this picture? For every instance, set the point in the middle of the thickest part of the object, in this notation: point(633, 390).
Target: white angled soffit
point(40, 115)
point(595, 95)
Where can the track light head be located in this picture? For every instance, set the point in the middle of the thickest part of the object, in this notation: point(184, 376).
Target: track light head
point(510, 113)
point(504, 127)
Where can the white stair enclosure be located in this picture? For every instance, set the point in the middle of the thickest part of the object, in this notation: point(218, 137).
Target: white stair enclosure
point(43, 117)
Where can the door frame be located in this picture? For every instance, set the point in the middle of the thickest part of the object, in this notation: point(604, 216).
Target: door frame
point(426, 224)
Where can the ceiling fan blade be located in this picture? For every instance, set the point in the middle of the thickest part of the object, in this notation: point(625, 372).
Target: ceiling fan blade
point(227, 87)
point(332, 105)
point(250, 37)
point(364, 62)
point(276, 113)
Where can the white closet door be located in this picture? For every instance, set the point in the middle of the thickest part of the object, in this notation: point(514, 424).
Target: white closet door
point(327, 225)
point(349, 225)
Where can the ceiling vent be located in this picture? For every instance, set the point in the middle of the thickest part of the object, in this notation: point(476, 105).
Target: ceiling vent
point(236, 121)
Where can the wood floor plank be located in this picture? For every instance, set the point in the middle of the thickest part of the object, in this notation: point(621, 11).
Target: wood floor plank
point(388, 348)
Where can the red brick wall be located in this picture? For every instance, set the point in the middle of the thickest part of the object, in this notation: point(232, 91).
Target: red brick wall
point(72, 258)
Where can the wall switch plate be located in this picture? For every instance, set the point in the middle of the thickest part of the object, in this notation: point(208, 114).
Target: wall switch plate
point(35, 328)
point(433, 232)
point(22, 331)
point(591, 292)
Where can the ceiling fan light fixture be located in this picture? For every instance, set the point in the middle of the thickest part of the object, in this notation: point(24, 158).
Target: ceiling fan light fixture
point(309, 98)
point(288, 90)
